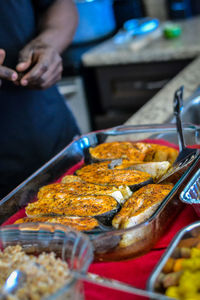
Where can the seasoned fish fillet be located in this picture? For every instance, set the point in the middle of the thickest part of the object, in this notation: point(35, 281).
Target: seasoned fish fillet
point(62, 190)
point(140, 200)
point(81, 224)
point(115, 150)
point(132, 178)
point(155, 152)
point(155, 169)
point(82, 206)
point(98, 166)
point(138, 208)
point(71, 178)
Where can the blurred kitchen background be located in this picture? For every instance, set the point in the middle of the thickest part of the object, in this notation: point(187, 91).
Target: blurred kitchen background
point(109, 69)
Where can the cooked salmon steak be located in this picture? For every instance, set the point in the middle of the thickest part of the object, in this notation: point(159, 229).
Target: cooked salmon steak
point(114, 177)
point(78, 223)
point(155, 152)
point(137, 204)
point(115, 150)
point(82, 206)
point(155, 169)
point(138, 208)
point(62, 190)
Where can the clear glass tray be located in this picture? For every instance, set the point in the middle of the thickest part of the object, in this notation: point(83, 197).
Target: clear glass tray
point(106, 244)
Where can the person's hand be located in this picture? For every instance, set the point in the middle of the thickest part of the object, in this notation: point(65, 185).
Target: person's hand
point(6, 73)
point(41, 66)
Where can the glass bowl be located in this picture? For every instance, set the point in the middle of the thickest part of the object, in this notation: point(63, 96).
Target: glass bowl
point(70, 245)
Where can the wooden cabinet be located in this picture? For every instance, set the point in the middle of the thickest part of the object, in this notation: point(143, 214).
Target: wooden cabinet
point(114, 93)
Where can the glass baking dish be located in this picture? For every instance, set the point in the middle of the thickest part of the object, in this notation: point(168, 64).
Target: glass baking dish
point(188, 237)
point(106, 244)
point(71, 246)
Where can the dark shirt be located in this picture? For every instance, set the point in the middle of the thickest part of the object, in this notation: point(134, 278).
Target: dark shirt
point(34, 125)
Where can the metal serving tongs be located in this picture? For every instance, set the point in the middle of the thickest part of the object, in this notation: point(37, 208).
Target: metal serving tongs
point(117, 285)
point(186, 155)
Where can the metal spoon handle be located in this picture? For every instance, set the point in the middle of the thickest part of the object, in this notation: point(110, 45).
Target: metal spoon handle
point(15, 280)
point(117, 285)
point(178, 104)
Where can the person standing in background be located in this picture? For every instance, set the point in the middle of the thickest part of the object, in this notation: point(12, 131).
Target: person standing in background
point(35, 122)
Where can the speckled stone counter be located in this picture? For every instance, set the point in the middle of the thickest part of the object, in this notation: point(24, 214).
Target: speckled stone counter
point(160, 108)
point(160, 49)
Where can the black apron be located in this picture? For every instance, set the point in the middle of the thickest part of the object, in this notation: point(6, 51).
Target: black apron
point(34, 125)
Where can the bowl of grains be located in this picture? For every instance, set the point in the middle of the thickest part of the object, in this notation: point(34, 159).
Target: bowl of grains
point(48, 255)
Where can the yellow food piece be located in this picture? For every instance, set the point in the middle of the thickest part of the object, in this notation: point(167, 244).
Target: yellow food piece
point(172, 292)
point(195, 252)
point(178, 264)
point(188, 285)
point(169, 265)
point(82, 224)
point(192, 264)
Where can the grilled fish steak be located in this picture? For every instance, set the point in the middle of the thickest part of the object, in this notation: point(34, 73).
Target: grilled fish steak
point(61, 190)
point(101, 206)
point(132, 178)
point(78, 223)
point(138, 208)
point(155, 152)
point(71, 178)
point(115, 150)
point(155, 169)
point(141, 199)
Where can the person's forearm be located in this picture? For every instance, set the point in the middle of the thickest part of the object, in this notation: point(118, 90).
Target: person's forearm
point(58, 24)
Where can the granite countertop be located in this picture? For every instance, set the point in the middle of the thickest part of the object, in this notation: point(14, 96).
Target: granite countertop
point(160, 108)
point(158, 49)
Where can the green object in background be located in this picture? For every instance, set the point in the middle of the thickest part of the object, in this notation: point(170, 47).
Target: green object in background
point(172, 31)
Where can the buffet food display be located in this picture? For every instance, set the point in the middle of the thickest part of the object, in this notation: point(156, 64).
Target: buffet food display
point(115, 193)
point(178, 272)
point(109, 190)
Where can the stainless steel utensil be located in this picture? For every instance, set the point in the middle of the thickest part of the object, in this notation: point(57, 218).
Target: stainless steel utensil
point(15, 280)
point(120, 286)
point(191, 193)
point(186, 155)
